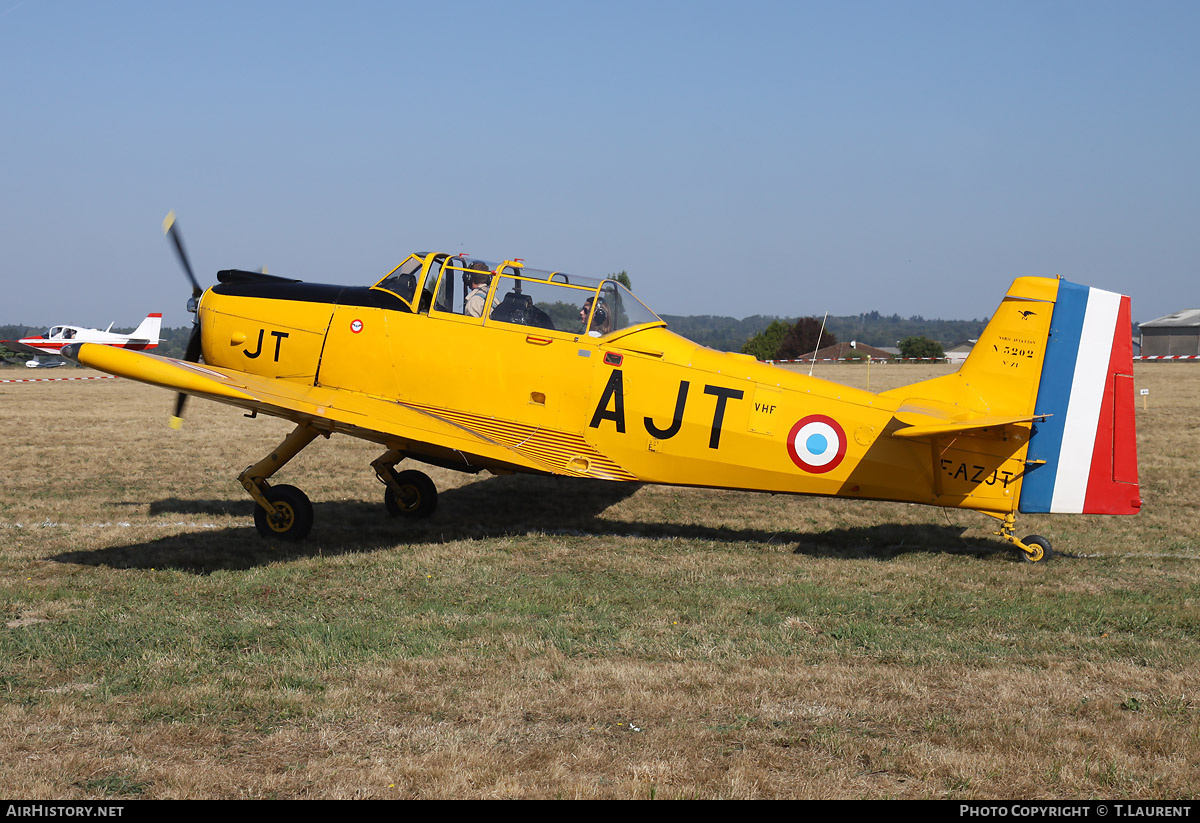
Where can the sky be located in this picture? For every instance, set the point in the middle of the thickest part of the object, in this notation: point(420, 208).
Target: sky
point(735, 158)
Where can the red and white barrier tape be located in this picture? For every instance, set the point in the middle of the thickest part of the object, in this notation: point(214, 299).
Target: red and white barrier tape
point(1167, 357)
point(53, 379)
point(863, 360)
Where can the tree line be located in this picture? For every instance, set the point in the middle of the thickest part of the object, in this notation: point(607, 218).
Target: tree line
point(872, 328)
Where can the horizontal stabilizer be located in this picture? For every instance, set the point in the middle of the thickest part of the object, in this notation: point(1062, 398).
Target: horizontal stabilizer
point(940, 429)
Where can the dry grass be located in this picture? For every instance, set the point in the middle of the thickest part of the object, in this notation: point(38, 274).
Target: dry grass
point(546, 638)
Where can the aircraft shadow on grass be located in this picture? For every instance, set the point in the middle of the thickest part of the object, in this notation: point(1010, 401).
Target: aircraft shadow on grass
point(490, 508)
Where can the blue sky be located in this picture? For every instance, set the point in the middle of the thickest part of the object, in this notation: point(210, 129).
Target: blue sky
point(735, 158)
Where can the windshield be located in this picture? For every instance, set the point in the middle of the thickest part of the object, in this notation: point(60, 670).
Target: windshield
point(565, 302)
point(402, 281)
point(623, 310)
point(511, 292)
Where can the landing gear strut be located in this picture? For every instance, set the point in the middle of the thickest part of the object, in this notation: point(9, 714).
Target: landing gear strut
point(283, 511)
point(409, 493)
point(1034, 548)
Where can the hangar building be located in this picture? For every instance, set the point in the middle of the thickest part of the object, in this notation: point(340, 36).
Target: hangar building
point(1176, 334)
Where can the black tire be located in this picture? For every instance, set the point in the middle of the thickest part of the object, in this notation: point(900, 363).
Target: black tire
point(1039, 542)
point(418, 495)
point(293, 518)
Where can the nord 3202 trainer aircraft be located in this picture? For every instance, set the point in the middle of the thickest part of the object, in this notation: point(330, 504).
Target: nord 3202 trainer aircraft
point(472, 365)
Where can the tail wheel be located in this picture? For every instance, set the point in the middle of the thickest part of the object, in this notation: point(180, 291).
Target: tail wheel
point(417, 497)
point(1036, 549)
point(291, 517)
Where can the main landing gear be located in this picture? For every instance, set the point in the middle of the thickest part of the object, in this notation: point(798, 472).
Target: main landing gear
point(285, 512)
point(409, 493)
point(290, 517)
point(1034, 548)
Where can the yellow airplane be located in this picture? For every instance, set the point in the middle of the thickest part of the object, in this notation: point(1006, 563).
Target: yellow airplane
point(574, 376)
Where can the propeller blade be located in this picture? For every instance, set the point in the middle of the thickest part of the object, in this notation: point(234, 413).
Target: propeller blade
point(191, 355)
point(177, 417)
point(170, 231)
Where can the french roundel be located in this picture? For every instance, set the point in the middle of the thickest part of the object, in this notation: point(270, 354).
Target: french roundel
point(817, 443)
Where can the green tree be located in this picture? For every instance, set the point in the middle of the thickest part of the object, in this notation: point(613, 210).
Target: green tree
point(765, 344)
point(803, 338)
point(912, 347)
point(787, 341)
point(621, 277)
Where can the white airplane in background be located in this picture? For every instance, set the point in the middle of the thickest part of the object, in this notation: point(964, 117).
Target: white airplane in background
point(144, 337)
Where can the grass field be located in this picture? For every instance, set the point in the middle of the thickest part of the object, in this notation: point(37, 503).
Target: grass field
point(557, 638)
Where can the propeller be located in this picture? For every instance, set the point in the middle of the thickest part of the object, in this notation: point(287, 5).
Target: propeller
point(192, 353)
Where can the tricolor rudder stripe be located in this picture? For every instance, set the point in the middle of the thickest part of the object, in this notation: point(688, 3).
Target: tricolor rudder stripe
point(1088, 440)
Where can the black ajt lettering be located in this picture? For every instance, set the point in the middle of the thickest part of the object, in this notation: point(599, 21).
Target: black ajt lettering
point(258, 350)
point(676, 419)
point(723, 395)
point(278, 335)
point(615, 392)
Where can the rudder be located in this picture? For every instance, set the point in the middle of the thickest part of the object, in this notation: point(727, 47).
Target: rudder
point(1082, 457)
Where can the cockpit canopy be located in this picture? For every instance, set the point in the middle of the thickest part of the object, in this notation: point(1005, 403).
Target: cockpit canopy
point(511, 292)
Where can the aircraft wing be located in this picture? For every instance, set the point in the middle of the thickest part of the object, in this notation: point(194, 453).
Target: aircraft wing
point(450, 435)
point(13, 345)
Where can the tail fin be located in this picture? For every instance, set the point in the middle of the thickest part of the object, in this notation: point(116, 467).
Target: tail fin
point(149, 329)
point(1088, 441)
point(1058, 357)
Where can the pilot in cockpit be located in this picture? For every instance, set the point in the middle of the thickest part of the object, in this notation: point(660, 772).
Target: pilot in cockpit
point(601, 321)
point(481, 277)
